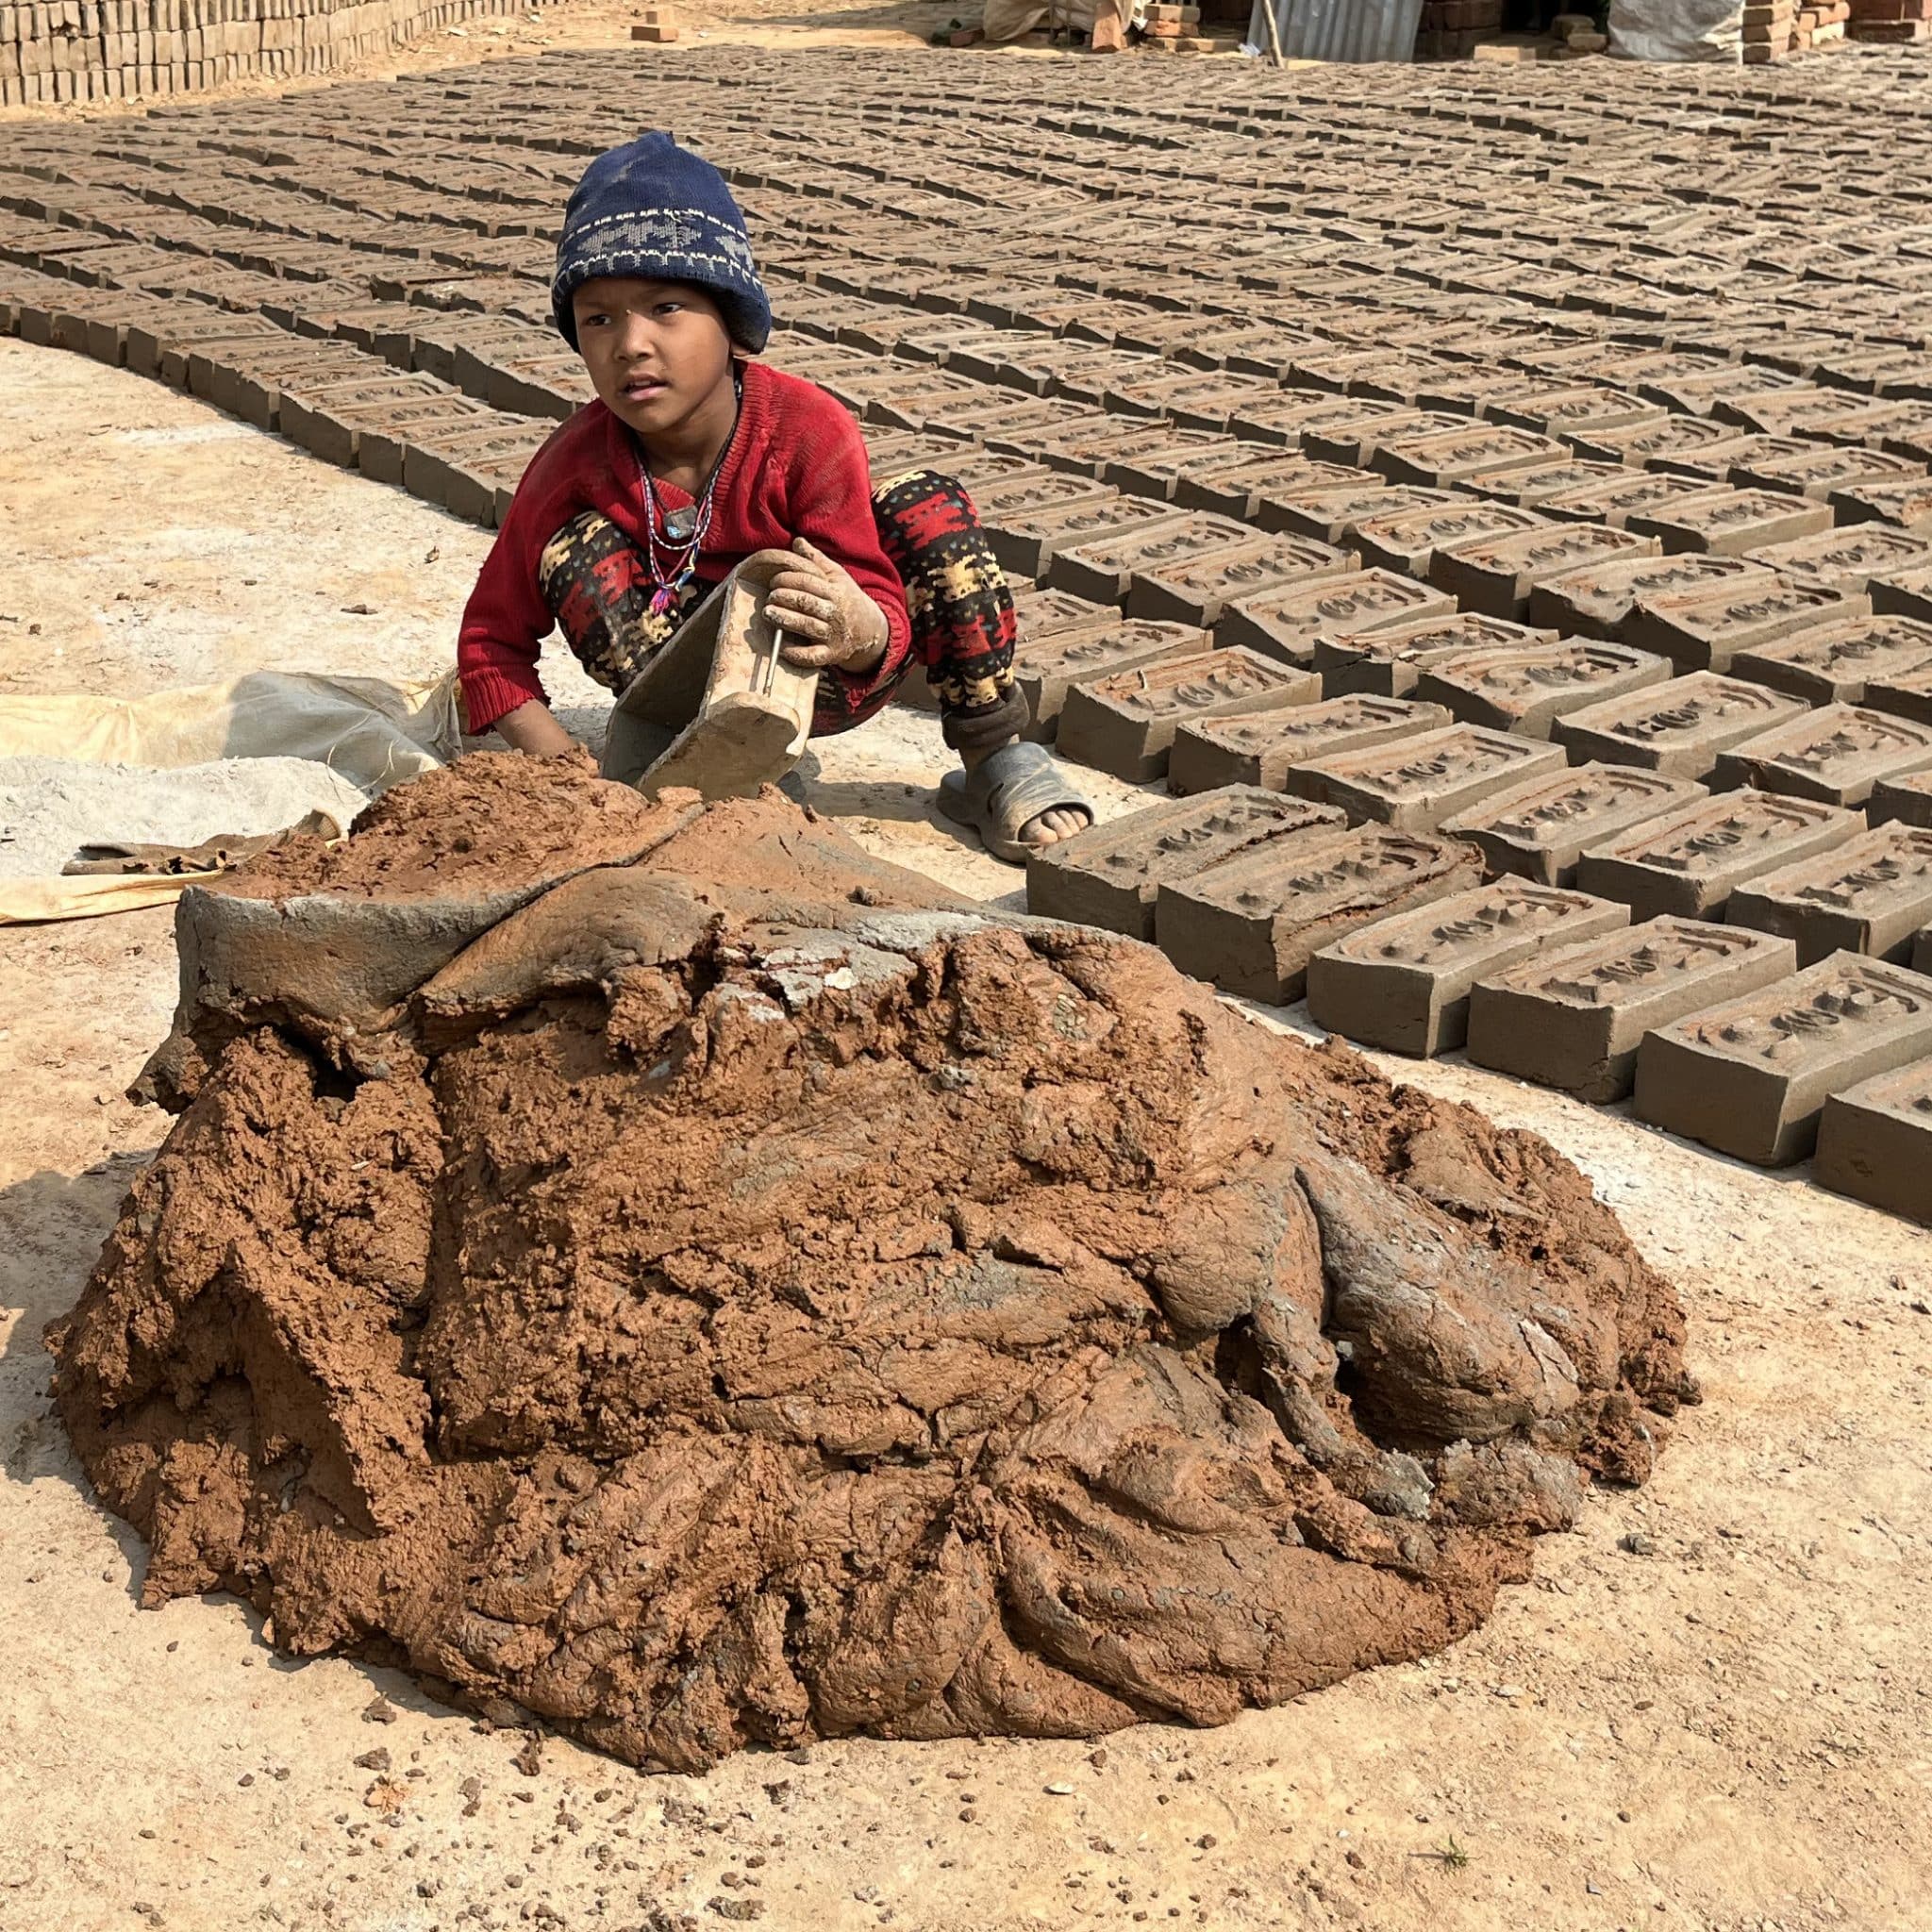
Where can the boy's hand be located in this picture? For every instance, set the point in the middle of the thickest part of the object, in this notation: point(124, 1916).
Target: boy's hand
point(838, 626)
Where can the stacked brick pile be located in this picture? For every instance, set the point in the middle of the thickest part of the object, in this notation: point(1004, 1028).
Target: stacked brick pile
point(1449, 29)
point(1890, 20)
point(1774, 28)
point(111, 50)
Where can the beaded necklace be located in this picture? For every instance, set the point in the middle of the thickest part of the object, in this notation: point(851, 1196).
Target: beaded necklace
point(673, 559)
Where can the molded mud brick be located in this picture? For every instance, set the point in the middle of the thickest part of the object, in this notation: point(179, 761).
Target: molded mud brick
point(1496, 574)
point(1870, 895)
point(1199, 590)
point(554, 387)
point(1907, 502)
point(1011, 499)
point(1025, 539)
point(1787, 408)
point(1598, 602)
point(1824, 471)
point(1686, 444)
point(1349, 430)
point(1087, 440)
point(161, 350)
point(1678, 728)
point(1526, 689)
point(1387, 660)
point(1405, 540)
point(1909, 593)
point(1729, 523)
point(1242, 487)
point(1905, 801)
point(1751, 1077)
point(1838, 663)
point(1289, 417)
point(1330, 513)
point(1154, 466)
point(1449, 456)
point(251, 389)
point(1704, 630)
point(1834, 754)
point(1403, 984)
point(1258, 749)
point(477, 479)
point(978, 470)
point(1415, 783)
point(1044, 666)
point(1575, 1017)
point(323, 419)
point(999, 355)
point(1533, 489)
point(382, 435)
point(1103, 568)
point(925, 403)
point(1621, 493)
point(1556, 410)
point(1126, 724)
point(1848, 559)
point(1539, 831)
point(1108, 875)
point(1039, 612)
point(1691, 861)
point(1251, 925)
point(1284, 623)
point(1875, 1141)
point(1905, 693)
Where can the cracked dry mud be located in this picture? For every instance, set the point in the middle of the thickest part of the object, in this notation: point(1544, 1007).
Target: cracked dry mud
point(734, 1293)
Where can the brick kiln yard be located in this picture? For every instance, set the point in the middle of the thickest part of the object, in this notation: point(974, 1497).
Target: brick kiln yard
point(1701, 296)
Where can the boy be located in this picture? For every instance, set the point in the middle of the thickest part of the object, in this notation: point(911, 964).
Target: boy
point(694, 458)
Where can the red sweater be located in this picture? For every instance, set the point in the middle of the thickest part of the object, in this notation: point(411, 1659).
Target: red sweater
point(796, 468)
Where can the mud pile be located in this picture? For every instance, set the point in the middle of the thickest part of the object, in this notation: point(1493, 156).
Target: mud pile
point(737, 1294)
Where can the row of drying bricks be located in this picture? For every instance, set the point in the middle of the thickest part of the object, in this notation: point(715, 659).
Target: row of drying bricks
point(1342, 809)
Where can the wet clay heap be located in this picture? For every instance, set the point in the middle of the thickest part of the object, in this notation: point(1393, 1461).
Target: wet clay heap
point(740, 1295)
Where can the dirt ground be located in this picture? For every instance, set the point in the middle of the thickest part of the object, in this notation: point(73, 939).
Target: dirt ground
point(1711, 1709)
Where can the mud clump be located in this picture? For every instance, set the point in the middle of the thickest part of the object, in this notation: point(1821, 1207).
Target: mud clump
point(743, 1295)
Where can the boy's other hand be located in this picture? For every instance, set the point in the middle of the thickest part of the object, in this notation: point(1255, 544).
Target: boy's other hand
point(838, 627)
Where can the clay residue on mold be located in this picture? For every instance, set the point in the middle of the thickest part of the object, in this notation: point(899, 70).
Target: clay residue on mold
point(759, 1299)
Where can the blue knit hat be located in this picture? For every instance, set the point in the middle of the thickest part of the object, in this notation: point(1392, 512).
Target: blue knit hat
point(656, 209)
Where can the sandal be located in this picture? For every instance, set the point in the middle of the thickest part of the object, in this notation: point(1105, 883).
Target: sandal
point(1001, 797)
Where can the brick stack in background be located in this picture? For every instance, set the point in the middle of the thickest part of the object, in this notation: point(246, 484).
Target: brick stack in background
point(1450, 28)
point(1821, 25)
point(1768, 28)
point(112, 50)
point(1890, 20)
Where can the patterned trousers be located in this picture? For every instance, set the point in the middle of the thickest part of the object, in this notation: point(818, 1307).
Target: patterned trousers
point(598, 585)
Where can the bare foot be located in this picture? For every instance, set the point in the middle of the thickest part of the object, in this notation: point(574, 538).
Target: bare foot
point(1050, 827)
point(1047, 827)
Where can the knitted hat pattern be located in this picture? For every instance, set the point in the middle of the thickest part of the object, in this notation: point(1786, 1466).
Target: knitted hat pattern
point(654, 209)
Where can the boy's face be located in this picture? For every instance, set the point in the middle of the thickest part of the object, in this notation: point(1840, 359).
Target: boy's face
point(658, 352)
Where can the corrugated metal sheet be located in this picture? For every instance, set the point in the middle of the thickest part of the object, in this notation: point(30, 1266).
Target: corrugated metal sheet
point(1340, 30)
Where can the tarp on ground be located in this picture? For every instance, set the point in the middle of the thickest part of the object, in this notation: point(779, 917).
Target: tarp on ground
point(1676, 29)
point(370, 730)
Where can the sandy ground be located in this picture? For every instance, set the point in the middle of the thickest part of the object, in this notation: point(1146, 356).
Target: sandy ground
point(1711, 1708)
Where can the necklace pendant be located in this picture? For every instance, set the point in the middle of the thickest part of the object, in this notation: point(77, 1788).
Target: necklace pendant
point(679, 524)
